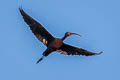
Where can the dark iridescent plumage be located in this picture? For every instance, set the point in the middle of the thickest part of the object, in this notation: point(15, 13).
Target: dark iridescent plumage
point(40, 32)
point(52, 43)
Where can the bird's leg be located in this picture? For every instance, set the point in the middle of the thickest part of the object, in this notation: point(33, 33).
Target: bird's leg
point(40, 59)
point(45, 54)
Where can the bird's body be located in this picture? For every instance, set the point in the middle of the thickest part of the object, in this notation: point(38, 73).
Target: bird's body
point(56, 44)
point(52, 43)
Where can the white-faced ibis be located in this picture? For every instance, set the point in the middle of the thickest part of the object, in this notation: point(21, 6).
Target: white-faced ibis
point(52, 43)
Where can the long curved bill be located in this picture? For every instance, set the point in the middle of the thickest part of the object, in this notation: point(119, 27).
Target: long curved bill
point(76, 34)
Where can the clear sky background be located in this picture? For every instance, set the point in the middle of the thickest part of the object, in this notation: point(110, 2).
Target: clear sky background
point(97, 20)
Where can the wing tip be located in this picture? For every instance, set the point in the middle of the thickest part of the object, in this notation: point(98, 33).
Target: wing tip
point(20, 8)
point(99, 53)
point(21, 11)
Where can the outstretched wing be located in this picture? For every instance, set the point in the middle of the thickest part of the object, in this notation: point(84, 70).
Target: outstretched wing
point(40, 32)
point(70, 50)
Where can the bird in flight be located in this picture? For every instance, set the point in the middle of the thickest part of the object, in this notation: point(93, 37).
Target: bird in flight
point(53, 43)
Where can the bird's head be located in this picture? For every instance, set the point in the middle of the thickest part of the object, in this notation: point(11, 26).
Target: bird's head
point(70, 33)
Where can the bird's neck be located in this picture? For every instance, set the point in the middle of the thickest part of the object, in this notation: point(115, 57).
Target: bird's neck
point(64, 38)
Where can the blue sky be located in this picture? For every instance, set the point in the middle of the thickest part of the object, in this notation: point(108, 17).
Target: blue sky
point(97, 20)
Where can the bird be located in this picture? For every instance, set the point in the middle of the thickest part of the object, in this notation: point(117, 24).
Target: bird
point(52, 43)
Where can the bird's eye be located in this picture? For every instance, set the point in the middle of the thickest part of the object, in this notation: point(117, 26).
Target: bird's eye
point(68, 33)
